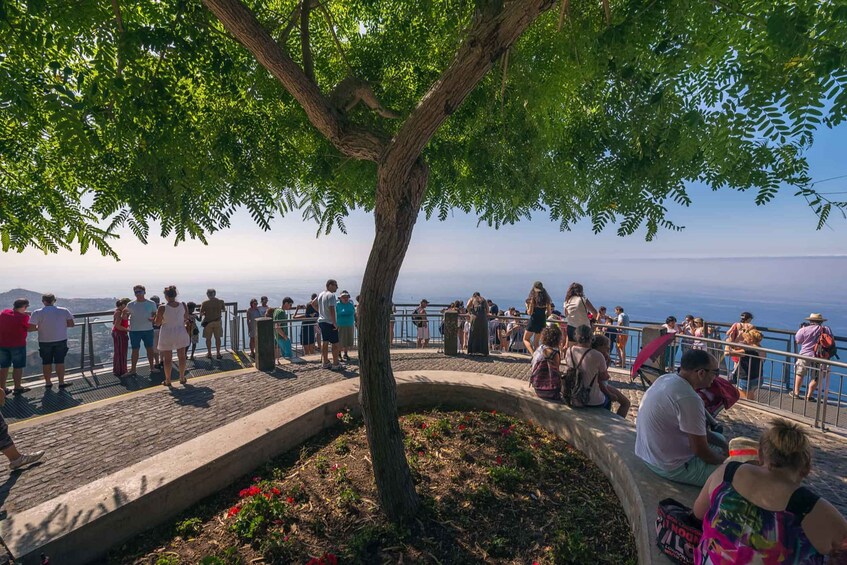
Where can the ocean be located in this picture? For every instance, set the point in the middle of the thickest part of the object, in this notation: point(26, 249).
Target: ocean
point(780, 292)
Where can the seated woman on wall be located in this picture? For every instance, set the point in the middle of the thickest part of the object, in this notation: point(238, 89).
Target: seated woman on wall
point(759, 513)
point(748, 371)
point(592, 373)
point(603, 344)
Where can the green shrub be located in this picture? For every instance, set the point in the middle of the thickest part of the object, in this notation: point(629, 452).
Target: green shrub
point(189, 528)
point(257, 514)
point(277, 547)
point(506, 477)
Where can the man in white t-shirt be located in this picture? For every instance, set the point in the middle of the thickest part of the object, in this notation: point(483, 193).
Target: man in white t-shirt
point(142, 312)
point(52, 323)
point(327, 322)
point(671, 434)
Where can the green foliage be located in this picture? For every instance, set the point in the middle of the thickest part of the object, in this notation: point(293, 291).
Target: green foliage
point(506, 477)
point(277, 547)
point(257, 515)
point(164, 123)
point(189, 527)
point(168, 559)
point(227, 556)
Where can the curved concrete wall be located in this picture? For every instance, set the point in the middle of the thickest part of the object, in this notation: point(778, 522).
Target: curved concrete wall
point(82, 525)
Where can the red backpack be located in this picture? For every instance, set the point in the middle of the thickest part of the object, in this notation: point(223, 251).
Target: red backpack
point(825, 348)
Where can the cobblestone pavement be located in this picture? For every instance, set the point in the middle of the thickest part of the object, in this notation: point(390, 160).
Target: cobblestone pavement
point(88, 445)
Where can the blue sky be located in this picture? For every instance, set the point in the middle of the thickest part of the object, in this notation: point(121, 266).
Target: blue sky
point(718, 224)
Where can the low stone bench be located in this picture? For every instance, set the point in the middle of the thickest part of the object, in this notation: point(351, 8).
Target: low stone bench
point(82, 525)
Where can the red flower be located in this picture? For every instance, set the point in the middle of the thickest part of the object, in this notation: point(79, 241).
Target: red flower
point(252, 491)
point(340, 415)
point(494, 412)
point(329, 559)
point(423, 426)
point(233, 511)
point(289, 500)
point(499, 460)
point(276, 491)
point(268, 495)
point(462, 427)
point(420, 453)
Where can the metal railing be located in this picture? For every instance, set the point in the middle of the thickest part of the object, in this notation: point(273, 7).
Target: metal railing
point(90, 344)
point(91, 348)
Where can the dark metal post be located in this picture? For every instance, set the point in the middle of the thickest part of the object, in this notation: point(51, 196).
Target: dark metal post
point(451, 325)
point(265, 344)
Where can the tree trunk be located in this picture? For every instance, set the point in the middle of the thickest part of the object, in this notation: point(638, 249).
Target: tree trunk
point(398, 202)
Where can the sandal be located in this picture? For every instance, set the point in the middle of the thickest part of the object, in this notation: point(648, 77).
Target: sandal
point(167, 383)
point(183, 381)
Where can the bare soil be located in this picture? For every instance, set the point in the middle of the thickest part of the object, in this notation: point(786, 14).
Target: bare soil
point(494, 490)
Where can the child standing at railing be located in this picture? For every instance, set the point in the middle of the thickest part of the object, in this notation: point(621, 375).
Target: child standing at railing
point(191, 327)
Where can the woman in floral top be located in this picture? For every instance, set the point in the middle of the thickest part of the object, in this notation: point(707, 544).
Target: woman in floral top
point(759, 513)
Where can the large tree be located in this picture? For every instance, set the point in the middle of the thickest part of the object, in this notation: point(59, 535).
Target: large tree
point(126, 112)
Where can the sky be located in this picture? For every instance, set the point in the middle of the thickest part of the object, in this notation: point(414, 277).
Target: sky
point(718, 224)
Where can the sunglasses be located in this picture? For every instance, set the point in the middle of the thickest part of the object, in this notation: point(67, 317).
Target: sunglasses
point(139, 292)
point(715, 372)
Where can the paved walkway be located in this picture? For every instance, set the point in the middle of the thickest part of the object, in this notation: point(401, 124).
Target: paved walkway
point(92, 441)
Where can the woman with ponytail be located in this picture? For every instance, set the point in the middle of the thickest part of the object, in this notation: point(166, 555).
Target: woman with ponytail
point(760, 513)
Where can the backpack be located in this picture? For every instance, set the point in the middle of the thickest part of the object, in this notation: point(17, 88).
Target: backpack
point(677, 531)
point(546, 379)
point(825, 348)
point(418, 318)
point(571, 378)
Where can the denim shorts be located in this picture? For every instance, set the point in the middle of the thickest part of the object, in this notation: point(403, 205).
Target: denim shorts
point(13, 357)
point(53, 352)
point(135, 339)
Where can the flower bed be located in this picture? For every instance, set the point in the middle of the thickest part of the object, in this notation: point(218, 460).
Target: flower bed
point(494, 489)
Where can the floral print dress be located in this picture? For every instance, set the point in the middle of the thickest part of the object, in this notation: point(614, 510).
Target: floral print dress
point(737, 532)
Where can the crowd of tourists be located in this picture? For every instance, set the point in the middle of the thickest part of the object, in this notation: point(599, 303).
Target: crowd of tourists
point(749, 511)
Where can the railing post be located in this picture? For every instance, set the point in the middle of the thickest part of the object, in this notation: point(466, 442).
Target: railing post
point(236, 335)
point(82, 346)
point(90, 345)
point(450, 333)
point(265, 344)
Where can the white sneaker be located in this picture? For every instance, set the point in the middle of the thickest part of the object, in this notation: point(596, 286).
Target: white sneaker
point(25, 459)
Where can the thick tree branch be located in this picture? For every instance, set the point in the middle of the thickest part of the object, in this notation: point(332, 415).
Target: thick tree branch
point(485, 43)
point(356, 142)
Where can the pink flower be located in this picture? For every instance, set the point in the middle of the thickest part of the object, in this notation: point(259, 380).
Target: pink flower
point(340, 415)
point(420, 453)
point(233, 511)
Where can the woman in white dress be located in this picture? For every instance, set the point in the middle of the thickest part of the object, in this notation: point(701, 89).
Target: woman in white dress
point(172, 317)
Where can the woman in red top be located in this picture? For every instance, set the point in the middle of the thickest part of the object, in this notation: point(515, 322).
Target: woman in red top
point(120, 337)
point(14, 325)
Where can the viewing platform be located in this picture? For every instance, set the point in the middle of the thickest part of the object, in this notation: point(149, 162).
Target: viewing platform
point(101, 437)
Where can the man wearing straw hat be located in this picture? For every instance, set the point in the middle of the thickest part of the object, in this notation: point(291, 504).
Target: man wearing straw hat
point(807, 338)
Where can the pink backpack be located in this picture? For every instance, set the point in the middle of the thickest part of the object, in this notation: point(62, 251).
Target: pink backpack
point(546, 379)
